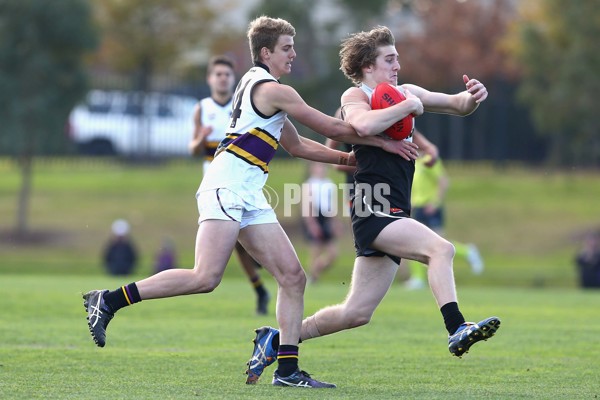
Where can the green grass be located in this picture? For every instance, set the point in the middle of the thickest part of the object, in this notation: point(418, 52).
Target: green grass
point(527, 223)
point(196, 346)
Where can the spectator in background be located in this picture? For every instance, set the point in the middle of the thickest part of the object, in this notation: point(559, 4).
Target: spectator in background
point(588, 261)
point(120, 255)
point(430, 184)
point(319, 222)
point(166, 258)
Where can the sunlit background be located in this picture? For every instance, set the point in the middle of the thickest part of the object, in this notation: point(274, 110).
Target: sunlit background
point(105, 89)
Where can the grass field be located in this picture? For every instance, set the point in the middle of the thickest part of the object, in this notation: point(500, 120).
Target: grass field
point(196, 347)
point(527, 223)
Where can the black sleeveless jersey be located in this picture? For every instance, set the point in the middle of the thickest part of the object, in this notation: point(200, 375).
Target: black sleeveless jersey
point(387, 172)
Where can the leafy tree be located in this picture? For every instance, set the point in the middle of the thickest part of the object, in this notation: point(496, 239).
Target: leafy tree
point(554, 41)
point(362, 12)
point(144, 37)
point(41, 48)
point(453, 38)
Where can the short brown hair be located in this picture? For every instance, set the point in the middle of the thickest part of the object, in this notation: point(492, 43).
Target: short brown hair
point(360, 50)
point(264, 32)
point(219, 60)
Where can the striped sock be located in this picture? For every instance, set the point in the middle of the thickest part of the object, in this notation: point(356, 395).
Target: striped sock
point(122, 297)
point(287, 360)
point(258, 285)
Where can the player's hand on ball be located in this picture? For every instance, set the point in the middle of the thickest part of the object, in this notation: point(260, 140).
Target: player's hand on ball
point(417, 103)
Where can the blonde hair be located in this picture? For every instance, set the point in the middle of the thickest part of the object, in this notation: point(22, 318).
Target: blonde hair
point(264, 32)
point(360, 50)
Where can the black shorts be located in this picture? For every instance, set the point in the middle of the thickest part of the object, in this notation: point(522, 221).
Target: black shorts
point(366, 226)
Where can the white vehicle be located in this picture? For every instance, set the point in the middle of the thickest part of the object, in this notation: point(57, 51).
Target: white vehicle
point(133, 123)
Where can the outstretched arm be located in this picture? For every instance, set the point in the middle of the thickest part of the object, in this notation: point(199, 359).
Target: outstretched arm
point(463, 103)
point(334, 144)
point(270, 97)
point(404, 149)
point(308, 149)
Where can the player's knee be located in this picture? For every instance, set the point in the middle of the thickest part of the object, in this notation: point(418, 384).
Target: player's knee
point(448, 249)
point(292, 278)
point(444, 249)
point(205, 282)
point(357, 317)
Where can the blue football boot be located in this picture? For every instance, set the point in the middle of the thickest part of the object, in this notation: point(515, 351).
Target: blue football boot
point(263, 354)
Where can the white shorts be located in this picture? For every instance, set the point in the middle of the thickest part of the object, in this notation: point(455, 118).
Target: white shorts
point(205, 166)
point(223, 204)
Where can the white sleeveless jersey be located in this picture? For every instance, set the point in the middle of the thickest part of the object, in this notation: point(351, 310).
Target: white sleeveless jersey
point(242, 160)
point(216, 116)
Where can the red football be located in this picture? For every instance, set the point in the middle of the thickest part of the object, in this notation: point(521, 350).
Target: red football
point(384, 96)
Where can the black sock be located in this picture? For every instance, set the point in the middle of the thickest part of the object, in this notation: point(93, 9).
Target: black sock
point(453, 318)
point(275, 342)
point(287, 359)
point(122, 297)
point(258, 286)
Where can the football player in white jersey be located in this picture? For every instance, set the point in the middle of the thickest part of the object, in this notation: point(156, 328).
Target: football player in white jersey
point(211, 117)
point(233, 207)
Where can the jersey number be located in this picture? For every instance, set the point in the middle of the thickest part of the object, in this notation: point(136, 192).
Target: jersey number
point(237, 104)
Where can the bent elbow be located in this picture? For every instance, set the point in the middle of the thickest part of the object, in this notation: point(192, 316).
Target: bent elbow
point(295, 151)
point(363, 129)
